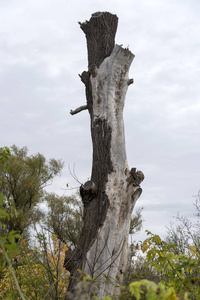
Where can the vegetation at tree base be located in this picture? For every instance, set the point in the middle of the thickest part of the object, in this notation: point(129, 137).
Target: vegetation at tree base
point(180, 271)
point(174, 261)
point(30, 271)
point(39, 271)
point(160, 269)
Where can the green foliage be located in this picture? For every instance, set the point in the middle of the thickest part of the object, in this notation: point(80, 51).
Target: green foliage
point(149, 290)
point(36, 273)
point(39, 272)
point(64, 217)
point(139, 270)
point(7, 239)
point(8, 245)
point(180, 271)
point(22, 179)
point(87, 289)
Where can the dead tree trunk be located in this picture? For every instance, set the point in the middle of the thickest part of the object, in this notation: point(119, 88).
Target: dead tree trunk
point(110, 195)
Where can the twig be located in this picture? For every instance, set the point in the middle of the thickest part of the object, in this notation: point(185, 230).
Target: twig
point(74, 174)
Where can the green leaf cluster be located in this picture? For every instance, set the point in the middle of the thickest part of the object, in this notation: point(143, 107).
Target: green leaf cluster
point(7, 239)
point(23, 179)
point(180, 271)
point(149, 290)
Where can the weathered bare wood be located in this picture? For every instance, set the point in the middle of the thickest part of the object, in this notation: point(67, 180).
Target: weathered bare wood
point(109, 197)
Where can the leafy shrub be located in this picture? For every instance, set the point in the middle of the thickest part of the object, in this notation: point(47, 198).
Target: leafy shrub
point(180, 271)
point(40, 272)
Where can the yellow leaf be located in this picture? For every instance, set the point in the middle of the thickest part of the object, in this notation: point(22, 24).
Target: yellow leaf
point(193, 249)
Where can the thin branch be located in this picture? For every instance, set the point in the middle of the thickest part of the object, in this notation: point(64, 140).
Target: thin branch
point(105, 244)
point(73, 174)
point(70, 189)
point(79, 109)
point(109, 264)
point(51, 287)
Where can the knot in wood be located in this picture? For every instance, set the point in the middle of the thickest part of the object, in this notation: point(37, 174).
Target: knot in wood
point(89, 185)
point(135, 177)
point(130, 81)
point(87, 192)
point(93, 70)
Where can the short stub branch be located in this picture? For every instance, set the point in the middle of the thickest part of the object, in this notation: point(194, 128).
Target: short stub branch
point(79, 109)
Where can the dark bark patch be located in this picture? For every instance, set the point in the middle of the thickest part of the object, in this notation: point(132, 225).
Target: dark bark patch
point(85, 78)
point(101, 139)
point(100, 33)
point(96, 202)
point(87, 194)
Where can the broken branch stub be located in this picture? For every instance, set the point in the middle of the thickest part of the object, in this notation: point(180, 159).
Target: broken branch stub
point(79, 109)
point(100, 33)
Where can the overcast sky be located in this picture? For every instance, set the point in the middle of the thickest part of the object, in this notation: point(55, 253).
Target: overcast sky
point(42, 51)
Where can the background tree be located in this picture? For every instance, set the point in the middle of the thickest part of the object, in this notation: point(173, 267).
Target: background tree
point(185, 232)
point(64, 217)
point(136, 221)
point(22, 184)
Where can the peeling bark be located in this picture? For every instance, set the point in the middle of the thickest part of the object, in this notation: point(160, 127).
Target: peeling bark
point(109, 197)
